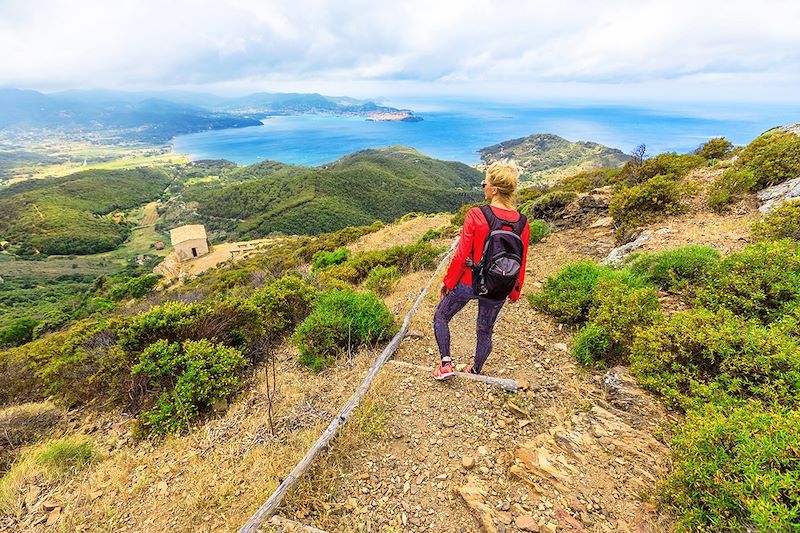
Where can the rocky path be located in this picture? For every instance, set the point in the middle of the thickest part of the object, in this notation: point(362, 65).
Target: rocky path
point(567, 453)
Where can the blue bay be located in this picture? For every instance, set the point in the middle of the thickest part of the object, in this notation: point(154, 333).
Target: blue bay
point(456, 130)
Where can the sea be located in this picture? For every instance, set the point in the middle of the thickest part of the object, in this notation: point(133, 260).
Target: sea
point(456, 129)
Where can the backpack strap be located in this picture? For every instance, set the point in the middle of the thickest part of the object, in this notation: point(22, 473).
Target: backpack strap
point(496, 223)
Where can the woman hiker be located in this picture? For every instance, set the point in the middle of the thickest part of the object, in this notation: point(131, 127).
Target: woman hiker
point(501, 275)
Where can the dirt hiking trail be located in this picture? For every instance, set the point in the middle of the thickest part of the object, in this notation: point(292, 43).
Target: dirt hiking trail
point(567, 453)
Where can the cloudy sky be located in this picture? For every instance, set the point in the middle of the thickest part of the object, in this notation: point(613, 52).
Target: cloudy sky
point(689, 50)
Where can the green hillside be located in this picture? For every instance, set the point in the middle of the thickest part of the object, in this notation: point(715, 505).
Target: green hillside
point(69, 215)
point(378, 184)
point(545, 156)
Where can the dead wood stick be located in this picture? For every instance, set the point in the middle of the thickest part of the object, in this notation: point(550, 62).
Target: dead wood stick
point(271, 505)
point(503, 383)
point(292, 525)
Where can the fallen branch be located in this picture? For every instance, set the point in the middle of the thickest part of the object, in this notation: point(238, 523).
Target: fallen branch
point(271, 505)
point(292, 526)
point(507, 384)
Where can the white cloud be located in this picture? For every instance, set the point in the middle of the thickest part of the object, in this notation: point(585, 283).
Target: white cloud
point(584, 47)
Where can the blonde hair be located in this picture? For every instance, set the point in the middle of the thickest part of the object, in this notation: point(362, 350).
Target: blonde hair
point(505, 176)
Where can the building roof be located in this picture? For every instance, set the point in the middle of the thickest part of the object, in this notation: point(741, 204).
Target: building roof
point(187, 233)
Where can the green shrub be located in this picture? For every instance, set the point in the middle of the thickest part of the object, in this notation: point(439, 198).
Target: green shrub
point(188, 378)
point(432, 234)
point(18, 332)
point(669, 164)
point(135, 287)
point(620, 310)
point(324, 259)
point(717, 148)
point(736, 470)
point(635, 206)
point(539, 230)
point(770, 159)
point(382, 279)
point(782, 222)
point(406, 258)
point(759, 282)
point(773, 158)
point(729, 187)
point(341, 320)
point(674, 269)
point(171, 321)
point(550, 205)
point(331, 241)
point(283, 304)
point(589, 180)
point(231, 321)
point(699, 355)
point(568, 295)
point(591, 344)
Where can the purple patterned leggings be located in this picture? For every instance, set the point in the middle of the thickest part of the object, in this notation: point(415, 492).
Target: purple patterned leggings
point(487, 314)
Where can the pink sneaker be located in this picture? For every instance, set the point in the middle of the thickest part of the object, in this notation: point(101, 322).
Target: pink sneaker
point(444, 371)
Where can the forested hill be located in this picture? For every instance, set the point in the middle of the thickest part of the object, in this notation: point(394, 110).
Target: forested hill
point(545, 156)
point(69, 215)
point(381, 184)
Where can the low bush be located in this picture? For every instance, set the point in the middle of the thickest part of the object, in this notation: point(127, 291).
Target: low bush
point(283, 304)
point(668, 164)
point(432, 234)
point(331, 241)
point(635, 206)
point(782, 222)
point(589, 180)
point(729, 187)
point(187, 379)
point(382, 279)
point(717, 148)
point(406, 258)
point(736, 470)
point(620, 310)
point(342, 320)
point(674, 269)
point(18, 332)
point(324, 259)
point(539, 230)
point(592, 344)
point(135, 287)
point(569, 294)
point(697, 356)
point(550, 205)
point(760, 282)
point(770, 159)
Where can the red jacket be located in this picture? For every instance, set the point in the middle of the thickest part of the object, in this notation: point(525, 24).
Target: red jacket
point(473, 237)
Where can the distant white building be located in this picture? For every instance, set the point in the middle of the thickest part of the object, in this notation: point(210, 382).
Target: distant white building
point(189, 241)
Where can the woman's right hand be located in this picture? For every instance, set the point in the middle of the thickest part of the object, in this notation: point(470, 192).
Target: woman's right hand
point(443, 291)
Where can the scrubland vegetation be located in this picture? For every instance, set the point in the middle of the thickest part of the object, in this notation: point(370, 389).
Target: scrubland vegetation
point(731, 362)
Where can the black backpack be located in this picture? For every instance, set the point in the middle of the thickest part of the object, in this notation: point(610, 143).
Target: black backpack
point(498, 272)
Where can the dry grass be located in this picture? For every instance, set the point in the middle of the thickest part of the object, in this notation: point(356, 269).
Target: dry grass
point(24, 424)
point(405, 232)
point(45, 464)
point(215, 477)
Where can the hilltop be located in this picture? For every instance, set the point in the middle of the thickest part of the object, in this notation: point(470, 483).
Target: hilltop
point(546, 157)
point(384, 184)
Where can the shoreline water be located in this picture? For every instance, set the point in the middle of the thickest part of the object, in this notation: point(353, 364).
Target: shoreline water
point(314, 140)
